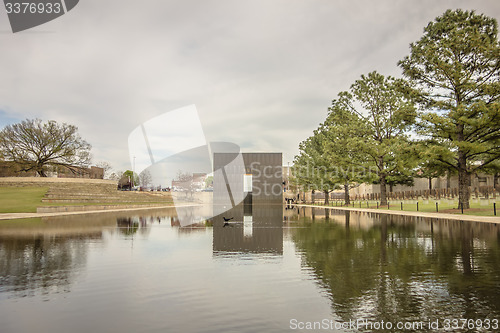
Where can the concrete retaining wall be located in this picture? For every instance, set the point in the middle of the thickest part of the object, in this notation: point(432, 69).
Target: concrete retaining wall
point(57, 209)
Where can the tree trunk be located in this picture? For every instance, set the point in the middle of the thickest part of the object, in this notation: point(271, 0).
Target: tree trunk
point(383, 182)
point(467, 246)
point(430, 183)
point(463, 180)
point(383, 238)
point(463, 174)
point(327, 201)
point(346, 193)
point(383, 190)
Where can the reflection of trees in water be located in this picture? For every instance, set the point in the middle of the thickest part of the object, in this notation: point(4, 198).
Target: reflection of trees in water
point(195, 222)
point(131, 225)
point(127, 225)
point(405, 271)
point(40, 264)
point(175, 222)
point(201, 227)
point(141, 224)
point(190, 216)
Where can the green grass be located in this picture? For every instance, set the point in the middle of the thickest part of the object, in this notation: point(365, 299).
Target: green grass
point(45, 204)
point(21, 199)
point(27, 199)
point(479, 207)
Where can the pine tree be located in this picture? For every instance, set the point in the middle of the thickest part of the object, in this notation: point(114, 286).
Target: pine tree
point(455, 68)
point(388, 115)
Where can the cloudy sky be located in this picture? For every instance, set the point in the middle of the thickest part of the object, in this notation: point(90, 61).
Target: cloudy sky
point(261, 73)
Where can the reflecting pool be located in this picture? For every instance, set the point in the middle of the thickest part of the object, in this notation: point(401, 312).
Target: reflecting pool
point(265, 269)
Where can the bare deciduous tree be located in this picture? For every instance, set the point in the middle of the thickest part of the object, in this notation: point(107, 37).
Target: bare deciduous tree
point(145, 178)
point(108, 169)
point(34, 145)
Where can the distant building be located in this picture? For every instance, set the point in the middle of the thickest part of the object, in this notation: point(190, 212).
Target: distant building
point(199, 180)
point(92, 173)
point(10, 169)
point(194, 182)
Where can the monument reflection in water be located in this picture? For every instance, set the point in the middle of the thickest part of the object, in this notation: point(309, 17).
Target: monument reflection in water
point(254, 225)
point(144, 272)
point(254, 229)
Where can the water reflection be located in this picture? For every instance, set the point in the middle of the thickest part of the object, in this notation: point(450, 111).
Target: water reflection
point(127, 225)
point(43, 256)
point(142, 271)
point(252, 229)
point(130, 225)
point(40, 264)
point(385, 267)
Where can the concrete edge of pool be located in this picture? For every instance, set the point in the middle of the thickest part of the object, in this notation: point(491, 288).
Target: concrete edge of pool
point(12, 216)
point(440, 216)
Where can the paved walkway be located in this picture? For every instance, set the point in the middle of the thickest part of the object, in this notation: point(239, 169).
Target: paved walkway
point(443, 216)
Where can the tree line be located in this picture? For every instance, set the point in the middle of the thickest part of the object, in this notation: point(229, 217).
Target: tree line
point(442, 116)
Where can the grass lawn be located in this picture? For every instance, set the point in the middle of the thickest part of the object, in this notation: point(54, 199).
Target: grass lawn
point(479, 207)
point(27, 199)
point(21, 199)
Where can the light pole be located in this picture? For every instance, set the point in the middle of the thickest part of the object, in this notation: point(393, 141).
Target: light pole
point(288, 177)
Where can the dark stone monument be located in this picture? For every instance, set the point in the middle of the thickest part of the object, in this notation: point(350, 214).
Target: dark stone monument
point(248, 203)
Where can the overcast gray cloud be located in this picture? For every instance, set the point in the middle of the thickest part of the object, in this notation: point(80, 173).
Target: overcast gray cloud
point(261, 73)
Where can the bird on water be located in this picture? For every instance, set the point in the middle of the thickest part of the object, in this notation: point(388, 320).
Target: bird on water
point(226, 221)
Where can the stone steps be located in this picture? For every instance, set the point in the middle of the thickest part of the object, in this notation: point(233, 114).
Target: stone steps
point(57, 209)
point(76, 195)
point(71, 190)
point(102, 200)
point(81, 189)
point(107, 198)
point(102, 197)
